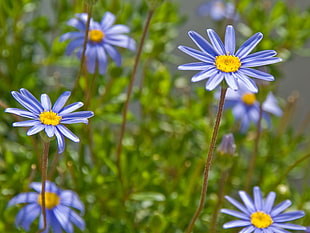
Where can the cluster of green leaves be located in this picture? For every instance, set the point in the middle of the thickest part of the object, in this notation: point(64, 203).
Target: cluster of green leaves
point(169, 123)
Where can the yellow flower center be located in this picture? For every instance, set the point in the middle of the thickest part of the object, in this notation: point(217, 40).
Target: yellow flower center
point(227, 63)
point(50, 118)
point(96, 35)
point(261, 219)
point(249, 98)
point(51, 200)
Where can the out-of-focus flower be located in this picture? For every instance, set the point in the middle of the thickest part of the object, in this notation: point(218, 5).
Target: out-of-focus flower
point(227, 145)
point(59, 214)
point(246, 108)
point(51, 119)
point(218, 10)
point(220, 62)
point(260, 216)
point(102, 37)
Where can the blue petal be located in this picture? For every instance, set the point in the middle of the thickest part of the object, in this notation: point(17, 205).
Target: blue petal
point(25, 102)
point(61, 101)
point(55, 224)
point(46, 102)
point(71, 35)
point(73, 45)
point(50, 130)
point(107, 20)
point(247, 200)
point(280, 207)
point(70, 108)
point(256, 74)
point(67, 133)
point(21, 112)
point(77, 220)
point(48, 221)
point(271, 105)
point(71, 199)
point(117, 29)
point(195, 66)
point(60, 142)
point(62, 215)
point(235, 214)
point(277, 230)
point(231, 81)
point(103, 60)
point(121, 41)
point(216, 42)
point(35, 129)
point(26, 215)
point(289, 216)
point(214, 81)
point(248, 229)
point(197, 54)
point(258, 199)
point(77, 23)
point(211, 71)
point(269, 201)
point(230, 40)
point(249, 45)
point(24, 198)
point(260, 54)
point(289, 226)
point(237, 204)
point(261, 62)
point(80, 114)
point(49, 187)
point(203, 44)
point(29, 96)
point(113, 53)
point(91, 54)
point(247, 82)
point(236, 223)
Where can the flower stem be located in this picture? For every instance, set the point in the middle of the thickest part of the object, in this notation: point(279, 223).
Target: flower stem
point(44, 176)
point(208, 161)
point(255, 151)
point(129, 90)
point(89, 14)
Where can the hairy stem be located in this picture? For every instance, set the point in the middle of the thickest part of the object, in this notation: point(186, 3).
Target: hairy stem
point(208, 161)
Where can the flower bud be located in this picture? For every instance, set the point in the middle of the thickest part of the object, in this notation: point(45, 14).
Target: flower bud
point(227, 145)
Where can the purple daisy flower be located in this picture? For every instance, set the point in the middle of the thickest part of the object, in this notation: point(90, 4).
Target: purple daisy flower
point(220, 61)
point(45, 117)
point(102, 37)
point(246, 108)
point(260, 216)
point(59, 214)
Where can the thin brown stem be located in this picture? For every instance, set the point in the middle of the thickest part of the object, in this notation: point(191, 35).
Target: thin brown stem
point(255, 151)
point(208, 161)
point(129, 90)
point(89, 14)
point(44, 177)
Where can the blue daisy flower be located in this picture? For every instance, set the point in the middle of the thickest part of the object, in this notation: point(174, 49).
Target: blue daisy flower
point(246, 108)
point(220, 62)
point(59, 214)
point(260, 216)
point(45, 117)
point(102, 38)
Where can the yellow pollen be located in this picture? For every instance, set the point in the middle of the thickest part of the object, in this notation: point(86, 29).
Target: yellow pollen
point(249, 98)
point(261, 219)
point(50, 118)
point(96, 35)
point(227, 63)
point(51, 200)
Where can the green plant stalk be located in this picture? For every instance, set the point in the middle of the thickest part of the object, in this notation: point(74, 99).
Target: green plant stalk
point(208, 161)
point(255, 151)
point(129, 90)
point(44, 177)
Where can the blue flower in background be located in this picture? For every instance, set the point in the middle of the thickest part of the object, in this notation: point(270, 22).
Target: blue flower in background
point(260, 216)
point(102, 38)
point(220, 62)
point(218, 10)
point(246, 108)
point(45, 117)
point(58, 204)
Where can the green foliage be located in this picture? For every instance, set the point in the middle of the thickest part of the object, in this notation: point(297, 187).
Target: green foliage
point(169, 121)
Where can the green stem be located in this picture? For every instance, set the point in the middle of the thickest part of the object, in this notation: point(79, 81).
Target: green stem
point(44, 177)
point(255, 151)
point(130, 87)
point(208, 161)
